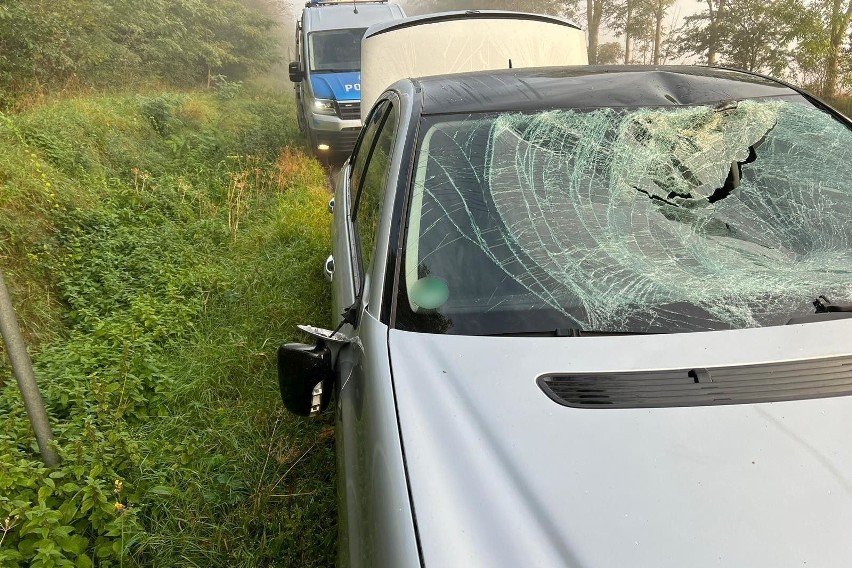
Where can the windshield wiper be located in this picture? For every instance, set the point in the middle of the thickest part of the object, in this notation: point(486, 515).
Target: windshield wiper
point(825, 310)
point(334, 70)
point(824, 305)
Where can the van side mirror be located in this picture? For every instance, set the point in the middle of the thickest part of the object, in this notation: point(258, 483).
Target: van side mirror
point(305, 377)
point(296, 73)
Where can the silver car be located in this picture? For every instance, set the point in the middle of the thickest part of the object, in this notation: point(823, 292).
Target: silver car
point(592, 317)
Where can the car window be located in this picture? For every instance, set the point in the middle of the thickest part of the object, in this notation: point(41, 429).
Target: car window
point(361, 153)
point(628, 220)
point(368, 201)
point(335, 51)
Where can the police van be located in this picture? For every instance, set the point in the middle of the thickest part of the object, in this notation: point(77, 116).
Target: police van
point(327, 69)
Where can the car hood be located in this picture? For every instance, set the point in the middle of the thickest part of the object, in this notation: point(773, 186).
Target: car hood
point(501, 475)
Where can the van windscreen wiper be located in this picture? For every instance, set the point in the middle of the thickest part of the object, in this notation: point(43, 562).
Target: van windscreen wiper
point(334, 70)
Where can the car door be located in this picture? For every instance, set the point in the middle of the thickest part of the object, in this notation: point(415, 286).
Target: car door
point(344, 286)
point(374, 516)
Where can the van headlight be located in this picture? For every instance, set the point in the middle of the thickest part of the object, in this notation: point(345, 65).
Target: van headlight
point(324, 106)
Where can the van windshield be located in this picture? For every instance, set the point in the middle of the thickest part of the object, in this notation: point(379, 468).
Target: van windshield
point(335, 50)
point(643, 220)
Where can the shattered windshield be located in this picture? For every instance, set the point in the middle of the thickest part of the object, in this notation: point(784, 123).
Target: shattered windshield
point(628, 220)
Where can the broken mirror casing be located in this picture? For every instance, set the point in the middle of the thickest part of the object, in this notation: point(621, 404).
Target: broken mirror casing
point(302, 370)
point(306, 372)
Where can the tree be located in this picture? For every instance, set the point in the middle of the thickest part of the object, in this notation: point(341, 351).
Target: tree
point(659, 8)
point(841, 15)
point(699, 34)
point(716, 14)
point(821, 58)
point(765, 37)
point(610, 53)
point(631, 19)
point(748, 34)
point(596, 11)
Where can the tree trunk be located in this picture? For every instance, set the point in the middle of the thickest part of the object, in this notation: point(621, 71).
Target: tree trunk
point(658, 30)
point(713, 43)
point(829, 88)
point(839, 25)
point(627, 39)
point(593, 18)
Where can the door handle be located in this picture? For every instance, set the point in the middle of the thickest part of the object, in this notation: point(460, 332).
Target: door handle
point(328, 269)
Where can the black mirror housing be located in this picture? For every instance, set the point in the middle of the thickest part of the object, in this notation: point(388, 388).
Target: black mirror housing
point(296, 73)
point(300, 369)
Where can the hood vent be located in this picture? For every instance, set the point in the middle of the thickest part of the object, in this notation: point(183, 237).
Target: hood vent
point(773, 382)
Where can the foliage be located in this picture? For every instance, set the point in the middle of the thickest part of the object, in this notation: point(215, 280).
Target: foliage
point(747, 34)
point(659, 9)
point(610, 53)
point(633, 20)
point(157, 365)
point(822, 56)
point(812, 52)
point(99, 43)
point(553, 7)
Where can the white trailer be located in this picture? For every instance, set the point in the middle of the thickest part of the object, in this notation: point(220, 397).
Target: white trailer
point(457, 42)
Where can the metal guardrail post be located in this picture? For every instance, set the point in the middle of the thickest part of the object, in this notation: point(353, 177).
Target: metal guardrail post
point(22, 367)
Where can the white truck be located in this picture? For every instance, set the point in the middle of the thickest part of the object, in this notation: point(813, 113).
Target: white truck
point(457, 42)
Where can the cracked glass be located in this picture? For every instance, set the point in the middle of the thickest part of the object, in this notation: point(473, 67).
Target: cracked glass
point(645, 220)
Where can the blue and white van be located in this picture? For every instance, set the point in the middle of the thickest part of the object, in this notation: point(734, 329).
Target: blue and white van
point(327, 69)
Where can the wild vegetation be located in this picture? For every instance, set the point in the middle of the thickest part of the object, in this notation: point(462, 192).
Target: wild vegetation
point(46, 47)
point(160, 248)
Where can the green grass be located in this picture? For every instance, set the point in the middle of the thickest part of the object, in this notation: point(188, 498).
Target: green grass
point(159, 249)
point(256, 485)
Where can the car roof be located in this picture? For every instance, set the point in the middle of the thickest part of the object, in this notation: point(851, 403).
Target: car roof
point(590, 87)
point(342, 16)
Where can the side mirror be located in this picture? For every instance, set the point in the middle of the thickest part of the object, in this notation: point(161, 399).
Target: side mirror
point(305, 377)
point(296, 73)
point(306, 372)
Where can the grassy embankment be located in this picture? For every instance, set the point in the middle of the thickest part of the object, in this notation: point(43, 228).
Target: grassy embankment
point(158, 249)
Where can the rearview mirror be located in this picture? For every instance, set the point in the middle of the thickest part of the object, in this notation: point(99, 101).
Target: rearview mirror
point(296, 73)
point(305, 377)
